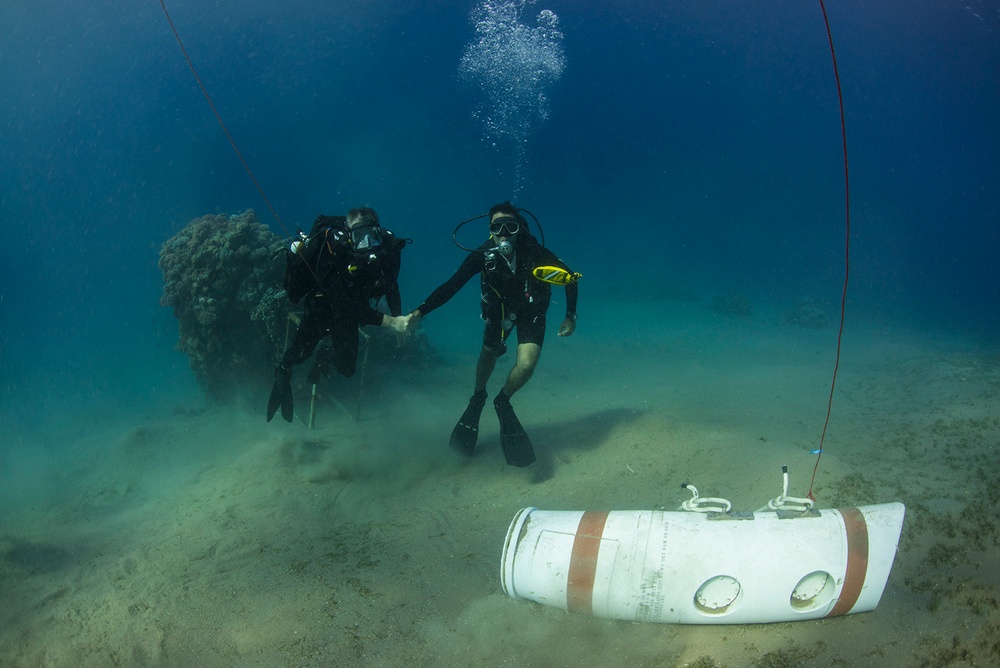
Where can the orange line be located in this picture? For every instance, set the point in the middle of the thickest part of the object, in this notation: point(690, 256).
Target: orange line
point(583, 561)
point(857, 561)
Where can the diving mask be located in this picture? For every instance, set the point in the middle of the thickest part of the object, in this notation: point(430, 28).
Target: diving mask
point(505, 226)
point(366, 237)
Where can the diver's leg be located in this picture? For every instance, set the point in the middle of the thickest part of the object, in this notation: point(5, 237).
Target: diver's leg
point(466, 432)
point(345, 349)
point(303, 343)
point(323, 358)
point(514, 441)
point(524, 367)
point(484, 367)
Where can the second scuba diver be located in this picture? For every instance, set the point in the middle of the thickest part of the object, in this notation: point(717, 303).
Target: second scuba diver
point(341, 268)
point(516, 273)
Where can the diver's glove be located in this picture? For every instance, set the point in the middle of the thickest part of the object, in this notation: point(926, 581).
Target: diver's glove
point(281, 394)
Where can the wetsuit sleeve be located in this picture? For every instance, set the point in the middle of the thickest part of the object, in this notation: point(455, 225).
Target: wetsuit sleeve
point(370, 316)
point(572, 290)
point(392, 296)
point(472, 265)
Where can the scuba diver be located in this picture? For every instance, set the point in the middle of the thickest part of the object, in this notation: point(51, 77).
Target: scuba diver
point(515, 276)
point(344, 267)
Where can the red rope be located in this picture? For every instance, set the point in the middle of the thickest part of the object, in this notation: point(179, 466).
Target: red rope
point(219, 118)
point(847, 250)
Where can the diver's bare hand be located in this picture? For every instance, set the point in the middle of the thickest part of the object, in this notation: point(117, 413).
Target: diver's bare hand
point(413, 321)
point(395, 323)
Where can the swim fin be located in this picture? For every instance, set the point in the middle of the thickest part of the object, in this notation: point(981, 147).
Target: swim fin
point(281, 395)
point(463, 436)
point(516, 445)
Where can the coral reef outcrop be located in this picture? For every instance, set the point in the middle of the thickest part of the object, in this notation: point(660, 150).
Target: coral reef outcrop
point(224, 285)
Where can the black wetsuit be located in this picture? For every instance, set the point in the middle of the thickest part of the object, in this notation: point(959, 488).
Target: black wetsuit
point(511, 296)
point(340, 286)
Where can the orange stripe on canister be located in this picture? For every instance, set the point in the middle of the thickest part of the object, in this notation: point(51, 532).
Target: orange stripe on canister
point(857, 561)
point(583, 561)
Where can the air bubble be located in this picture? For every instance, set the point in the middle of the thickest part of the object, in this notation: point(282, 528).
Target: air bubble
point(513, 66)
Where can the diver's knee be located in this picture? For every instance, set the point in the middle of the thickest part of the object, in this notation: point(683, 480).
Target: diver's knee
point(527, 365)
point(488, 353)
point(528, 354)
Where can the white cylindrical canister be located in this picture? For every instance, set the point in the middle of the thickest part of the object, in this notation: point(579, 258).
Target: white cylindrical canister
point(693, 568)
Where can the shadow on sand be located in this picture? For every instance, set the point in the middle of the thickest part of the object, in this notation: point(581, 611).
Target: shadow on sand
point(585, 432)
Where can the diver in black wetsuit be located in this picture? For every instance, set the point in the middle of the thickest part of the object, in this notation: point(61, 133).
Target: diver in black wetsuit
point(514, 296)
point(342, 268)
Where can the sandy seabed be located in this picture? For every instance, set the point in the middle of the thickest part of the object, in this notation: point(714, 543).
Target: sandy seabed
point(212, 538)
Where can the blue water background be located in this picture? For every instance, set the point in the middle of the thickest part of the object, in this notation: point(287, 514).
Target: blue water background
point(691, 145)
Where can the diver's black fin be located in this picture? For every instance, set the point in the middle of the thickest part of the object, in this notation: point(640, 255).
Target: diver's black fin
point(516, 445)
point(281, 395)
point(463, 436)
point(273, 401)
point(287, 411)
